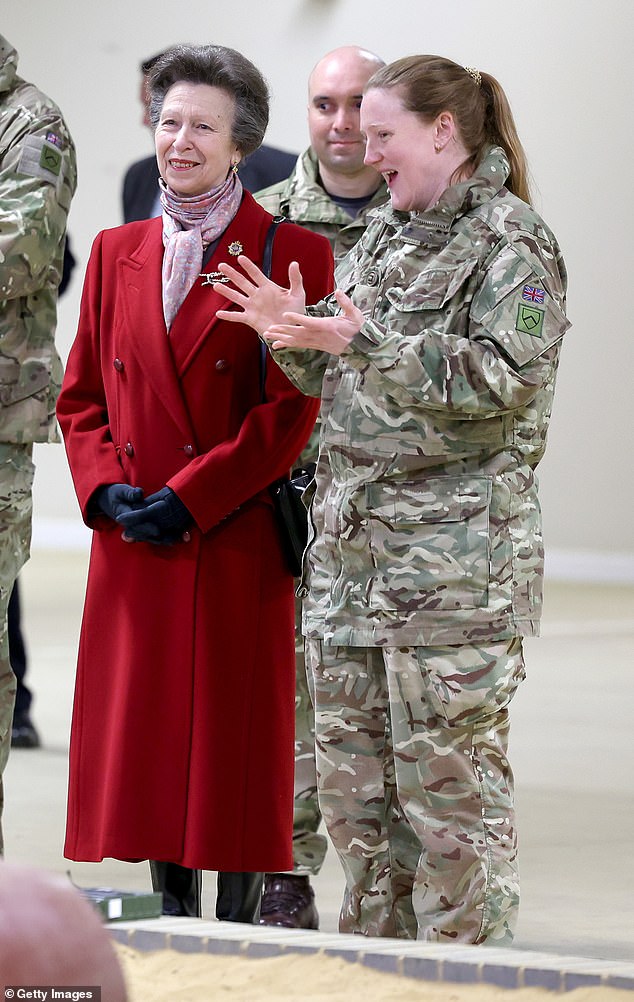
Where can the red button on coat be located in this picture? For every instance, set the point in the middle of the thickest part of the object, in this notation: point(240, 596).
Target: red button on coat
point(118, 364)
point(129, 449)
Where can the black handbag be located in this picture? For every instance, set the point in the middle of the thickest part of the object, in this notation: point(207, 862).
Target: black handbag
point(292, 515)
point(290, 510)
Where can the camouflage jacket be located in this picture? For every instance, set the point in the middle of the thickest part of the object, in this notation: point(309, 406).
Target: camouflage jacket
point(37, 181)
point(302, 199)
point(426, 521)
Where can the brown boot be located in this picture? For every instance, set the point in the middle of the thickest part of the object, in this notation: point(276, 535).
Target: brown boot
point(289, 901)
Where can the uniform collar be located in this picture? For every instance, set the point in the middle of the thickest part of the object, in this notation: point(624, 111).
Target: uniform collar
point(316, 205)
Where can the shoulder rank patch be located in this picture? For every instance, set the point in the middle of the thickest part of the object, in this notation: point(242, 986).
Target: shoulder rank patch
point(40, 159)
point(51, 159)
point(530, 320)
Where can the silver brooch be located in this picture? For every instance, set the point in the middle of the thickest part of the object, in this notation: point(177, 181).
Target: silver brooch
point(209, 277)
point(235, 248)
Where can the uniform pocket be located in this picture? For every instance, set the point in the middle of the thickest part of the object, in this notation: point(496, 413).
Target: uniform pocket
point(467, 684)
point(430, 290)
point(429, 543)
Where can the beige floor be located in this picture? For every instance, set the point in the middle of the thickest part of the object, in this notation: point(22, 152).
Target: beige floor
point(572, 748)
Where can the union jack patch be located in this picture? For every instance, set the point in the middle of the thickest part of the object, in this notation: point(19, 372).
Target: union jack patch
point(533, 294)
point(52, 137)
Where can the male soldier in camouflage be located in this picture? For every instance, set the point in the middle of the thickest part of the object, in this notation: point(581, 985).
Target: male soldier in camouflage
point(332, 192)
point(436, 361)
point(37, 181)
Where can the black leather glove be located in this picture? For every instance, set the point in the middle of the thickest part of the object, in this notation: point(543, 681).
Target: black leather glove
point(118, 499)
point(163, 519)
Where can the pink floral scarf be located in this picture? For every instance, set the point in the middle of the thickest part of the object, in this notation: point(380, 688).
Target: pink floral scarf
point(189, 225)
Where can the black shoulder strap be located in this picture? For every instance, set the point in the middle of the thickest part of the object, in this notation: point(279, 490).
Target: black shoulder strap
point(267, 260)
point(267, 253)
point(208, 251)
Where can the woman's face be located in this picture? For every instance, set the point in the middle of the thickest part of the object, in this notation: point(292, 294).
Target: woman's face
point(194, 148)
point(402, 148)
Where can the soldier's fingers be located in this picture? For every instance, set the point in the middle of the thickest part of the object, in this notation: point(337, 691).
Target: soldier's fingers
point(296, 283)
point(229, 271)
point(283, 342)
point(300, 319)
point(231, 315)
point(349, 310)
point(255, 276)
point(290, 330)
point(240, 280)
point(232, 294)
point(284, 336)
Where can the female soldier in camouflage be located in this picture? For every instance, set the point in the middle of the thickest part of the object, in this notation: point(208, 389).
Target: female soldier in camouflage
point(436, 362)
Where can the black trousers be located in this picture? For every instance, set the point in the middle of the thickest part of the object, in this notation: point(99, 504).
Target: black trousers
point(17, 654)
point(238, 898)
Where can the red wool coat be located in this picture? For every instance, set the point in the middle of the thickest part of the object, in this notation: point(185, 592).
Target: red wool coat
point(183, 721)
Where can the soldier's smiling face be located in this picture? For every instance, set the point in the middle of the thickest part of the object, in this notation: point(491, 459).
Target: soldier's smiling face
point(401, 146)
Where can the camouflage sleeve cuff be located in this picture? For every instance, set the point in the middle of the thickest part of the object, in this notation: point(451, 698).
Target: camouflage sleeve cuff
point(304, 367)
point(367, 339)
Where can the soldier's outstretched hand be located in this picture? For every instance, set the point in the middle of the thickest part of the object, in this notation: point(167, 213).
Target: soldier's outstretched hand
point(330, 334)
point(263, 302)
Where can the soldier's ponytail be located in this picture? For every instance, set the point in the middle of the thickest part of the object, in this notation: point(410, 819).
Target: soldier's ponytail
point(501, 131)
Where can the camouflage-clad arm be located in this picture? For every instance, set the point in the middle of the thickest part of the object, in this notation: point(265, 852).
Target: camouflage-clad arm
point(37, 181)
point(499, 363)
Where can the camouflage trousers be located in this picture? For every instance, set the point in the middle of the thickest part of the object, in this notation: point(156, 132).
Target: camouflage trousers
point(16, 482)
point(309, 847)
point(416, 789)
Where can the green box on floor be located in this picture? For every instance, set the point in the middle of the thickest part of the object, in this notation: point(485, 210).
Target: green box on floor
point(124, 906)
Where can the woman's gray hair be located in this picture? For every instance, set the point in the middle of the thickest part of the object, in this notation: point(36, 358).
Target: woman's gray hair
point(216, 66)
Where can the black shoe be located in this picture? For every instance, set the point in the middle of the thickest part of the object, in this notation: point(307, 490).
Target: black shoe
point(23, 733)
point(289, 901)
point(180, 886)
point(239, 897)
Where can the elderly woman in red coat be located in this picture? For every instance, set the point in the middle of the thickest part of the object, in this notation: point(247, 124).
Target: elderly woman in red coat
point(182, 735)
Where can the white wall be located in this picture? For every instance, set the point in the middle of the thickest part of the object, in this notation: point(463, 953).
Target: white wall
point(568, 69)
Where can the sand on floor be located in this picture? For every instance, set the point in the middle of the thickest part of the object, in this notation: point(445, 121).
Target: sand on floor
point(170, 976)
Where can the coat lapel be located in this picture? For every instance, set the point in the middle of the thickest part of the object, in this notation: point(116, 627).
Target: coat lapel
point(196, 319)
point(139, 273)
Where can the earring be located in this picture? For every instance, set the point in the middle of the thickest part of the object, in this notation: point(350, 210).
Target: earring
point(438, 148)
point(234, 168)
